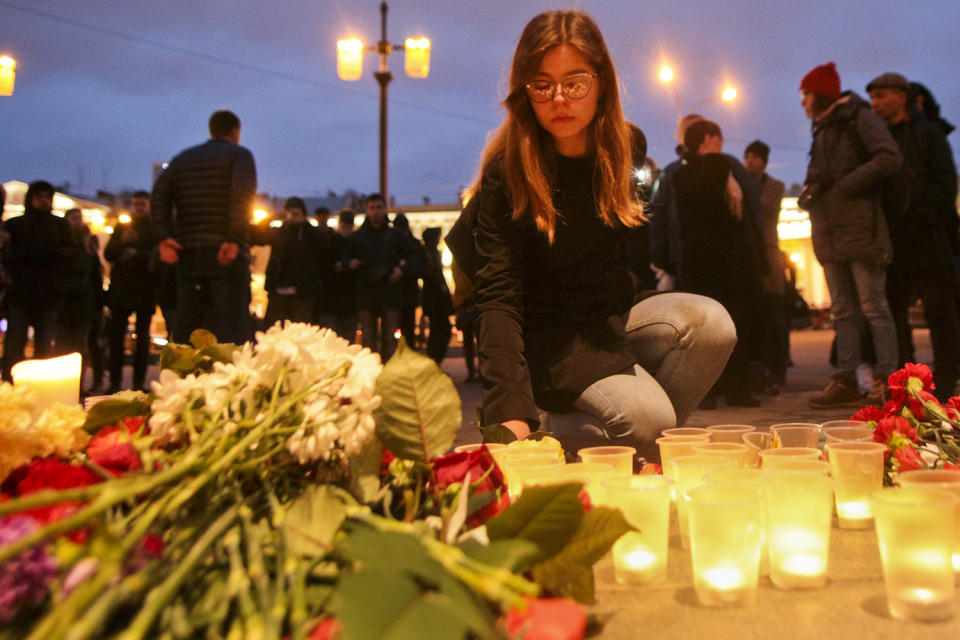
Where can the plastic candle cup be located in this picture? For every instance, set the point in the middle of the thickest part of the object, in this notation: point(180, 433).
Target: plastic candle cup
point(796, 434)
point(756, 441)
point(689, 472)
point(729, 432)
point(591, 474)
point(770, 458)
point(819, 467)
point(725, 540)
point(938, 479)
point(674, 446)
point(53, 380)
point(739, 453)
point(848, 433)
point(620, 458)
point(829, 424)
point(799, 515)
point(517, 466)
point(757, 479)
point(640, 557)
point(857, 469)
point(685, 431)
point(915, 530)
point(496, 450)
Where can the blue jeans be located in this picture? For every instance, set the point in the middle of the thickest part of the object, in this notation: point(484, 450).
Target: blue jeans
point(212, 296)
point(682, 342)
point(860, 286)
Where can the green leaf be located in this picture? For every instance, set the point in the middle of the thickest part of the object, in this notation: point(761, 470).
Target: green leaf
point(201, 338)
point(537, 436)
point(497, 434)
point(312, 520)
point(365, 472)
point(419, 415)
point(394, 572)
point(113, 409)
point(219, 352)
point(547, 516)
point(570, 573)
point(515, 555)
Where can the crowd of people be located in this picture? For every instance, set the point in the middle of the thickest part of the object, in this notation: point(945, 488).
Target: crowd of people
point(582, 296)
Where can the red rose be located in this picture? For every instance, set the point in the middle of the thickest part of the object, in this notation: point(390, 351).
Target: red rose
point(454, 467)
point(869, 413)
point(112, 449)
point(894, 424)
point(908, 459)
point(898, 379)
point(327, 629)
point(547, 619)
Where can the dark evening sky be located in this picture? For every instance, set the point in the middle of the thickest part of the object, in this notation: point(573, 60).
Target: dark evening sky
point(107, 87)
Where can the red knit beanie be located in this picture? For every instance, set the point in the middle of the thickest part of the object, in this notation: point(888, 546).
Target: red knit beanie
point(823, 81)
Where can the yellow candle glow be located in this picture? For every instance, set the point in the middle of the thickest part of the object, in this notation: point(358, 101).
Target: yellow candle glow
point(799, 515)
point(640, 557)
point(857, 468)
point(854, 514)
point(724, 578)
point(54, 380)
point(940, 479)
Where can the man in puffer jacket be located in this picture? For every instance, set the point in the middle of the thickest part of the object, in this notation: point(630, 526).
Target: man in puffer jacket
point(852, 154)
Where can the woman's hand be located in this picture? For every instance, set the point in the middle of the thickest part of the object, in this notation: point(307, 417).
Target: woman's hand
point(520, 428)
point(734, 196)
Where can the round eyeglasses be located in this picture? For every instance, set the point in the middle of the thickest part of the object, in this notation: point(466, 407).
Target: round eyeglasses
point(575, 87)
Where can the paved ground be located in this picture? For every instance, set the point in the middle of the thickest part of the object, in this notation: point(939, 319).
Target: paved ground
point(809, 350)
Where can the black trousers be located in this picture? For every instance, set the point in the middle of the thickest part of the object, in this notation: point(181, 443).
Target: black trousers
point(936, 289)
point(118, 332)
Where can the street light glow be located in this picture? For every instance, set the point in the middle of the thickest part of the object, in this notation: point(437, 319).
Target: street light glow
point(8, 72)
point(124, 218)
point(729, 94)
point(666, 74)
point(417, 63)
point(259, 215)
point(349, 59)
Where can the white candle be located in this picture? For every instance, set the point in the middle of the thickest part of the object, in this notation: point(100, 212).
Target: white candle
point(724, 578)
point(854, 514)
point(804, 565)
point(54, 380)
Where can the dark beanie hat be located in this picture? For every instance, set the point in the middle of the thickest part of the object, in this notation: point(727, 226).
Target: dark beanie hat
point(295, 203)
point(823, 81)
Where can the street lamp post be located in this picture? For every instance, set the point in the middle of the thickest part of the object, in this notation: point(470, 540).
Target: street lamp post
point(350, 67)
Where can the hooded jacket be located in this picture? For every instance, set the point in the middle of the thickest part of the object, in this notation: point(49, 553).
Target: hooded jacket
point(851, 155)
point(37, 253)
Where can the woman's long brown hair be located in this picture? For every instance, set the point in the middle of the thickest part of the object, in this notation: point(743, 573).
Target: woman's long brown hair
point(528, 151)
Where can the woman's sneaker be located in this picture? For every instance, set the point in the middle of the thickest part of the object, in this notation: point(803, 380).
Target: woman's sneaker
point(840, 391)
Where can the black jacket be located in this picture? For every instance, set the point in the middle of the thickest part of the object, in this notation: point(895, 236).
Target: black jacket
point(380, 251)
point(852, 153)
point(37, 257)
point(920, 200)
point(551, 317)
point(132, 282)
point(297, 256)
point(203, 198)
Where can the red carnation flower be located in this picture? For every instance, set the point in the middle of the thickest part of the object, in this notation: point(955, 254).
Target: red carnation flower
point(894, 424)
point(547, 619)
point(112, 448)
point(651, 468)
point(385, 459)
point(869, 413)
point(908, 459)
point(953, 407)
point(949, 466)
point(898, 379)
point(327, 629)
point(50, 473)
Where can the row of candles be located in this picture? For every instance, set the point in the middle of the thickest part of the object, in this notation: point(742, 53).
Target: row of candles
point(751, 503)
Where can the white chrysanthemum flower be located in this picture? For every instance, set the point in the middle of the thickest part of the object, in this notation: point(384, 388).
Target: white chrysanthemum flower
point(171, 394)
point(25, 434)
point(60, 430)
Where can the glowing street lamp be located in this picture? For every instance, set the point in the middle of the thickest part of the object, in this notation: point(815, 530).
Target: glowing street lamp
point(666, 74)
point(729, 94)
point(668, 77)
point(350, 67)
point(8, 72)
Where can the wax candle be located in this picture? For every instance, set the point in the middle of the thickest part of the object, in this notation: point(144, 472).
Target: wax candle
point(54, 380)
point(640, 557)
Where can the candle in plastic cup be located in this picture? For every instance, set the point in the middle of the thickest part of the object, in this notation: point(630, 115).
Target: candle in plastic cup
point(829, 424)
point(618, 457)
point(857, 468)
point(819, 467)
point(756, 441)
point(518, 468)
point(915, 530)
point(770, 458)
point(725, 539)
point(685, 431)
point(939, 479)
point(674, 446)
point(848, 434)
point(796, 434)
point(729, 432)
point(739, 453)
point(491, 447)
point(640, 557)
point(53, 380)
point(756, 478)
point(799, 516)
point(689, 472)
point(591, 474)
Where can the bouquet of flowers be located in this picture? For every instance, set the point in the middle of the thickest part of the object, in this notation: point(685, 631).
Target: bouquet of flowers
point(250, 495)
point(920, 433)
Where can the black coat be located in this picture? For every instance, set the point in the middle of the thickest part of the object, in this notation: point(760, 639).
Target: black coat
point(297, 257)
point(37, 258)
point(133, 283)
point(920, 200)
point(380, 251)
point(551, 317)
